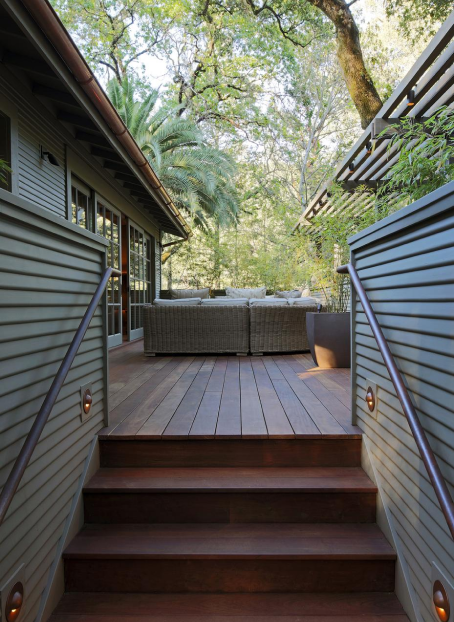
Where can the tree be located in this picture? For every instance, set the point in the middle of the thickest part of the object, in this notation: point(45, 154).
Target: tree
point(419, 18)
point(199, 178)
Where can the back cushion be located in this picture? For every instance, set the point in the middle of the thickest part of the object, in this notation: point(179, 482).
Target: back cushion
point(178, 294)
point(182, 302)
point(294, 293)
point(236, 292)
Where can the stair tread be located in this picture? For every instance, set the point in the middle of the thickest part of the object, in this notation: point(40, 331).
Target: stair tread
point(234, 541)
point(202, 479)
point(354, 607)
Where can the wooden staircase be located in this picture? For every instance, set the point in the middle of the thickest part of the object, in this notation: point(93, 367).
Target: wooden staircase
point(230, 531)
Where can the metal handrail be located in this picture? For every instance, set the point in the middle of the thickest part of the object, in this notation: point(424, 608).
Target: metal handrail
point(33, 436)
point(425, 450)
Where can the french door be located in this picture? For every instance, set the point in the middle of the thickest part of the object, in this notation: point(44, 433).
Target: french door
point(140, 280)
point(108, 224)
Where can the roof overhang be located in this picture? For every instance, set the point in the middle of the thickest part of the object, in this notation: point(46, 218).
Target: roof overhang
point(34, 40)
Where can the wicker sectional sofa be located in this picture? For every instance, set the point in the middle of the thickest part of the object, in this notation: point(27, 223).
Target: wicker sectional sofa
point(225, 329)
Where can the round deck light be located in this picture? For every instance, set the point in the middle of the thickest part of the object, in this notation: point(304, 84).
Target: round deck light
point(87, 401)
point(370, 399)
point(14, 602)
point(441, 601)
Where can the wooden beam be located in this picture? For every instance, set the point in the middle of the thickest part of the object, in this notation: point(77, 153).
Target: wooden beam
point(94, 139)
point(106, 154)
point(121, 168)
point(27, 63)
point(77, 120)
point(60, 96)
point(379, 125)
point(125, 176)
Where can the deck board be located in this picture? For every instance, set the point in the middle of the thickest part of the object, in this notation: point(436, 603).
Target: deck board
point(225, 397)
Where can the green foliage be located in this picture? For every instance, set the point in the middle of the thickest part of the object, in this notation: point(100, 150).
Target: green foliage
point(426, 158)
point(199, 178)
point(419, 18)
point(323, 244)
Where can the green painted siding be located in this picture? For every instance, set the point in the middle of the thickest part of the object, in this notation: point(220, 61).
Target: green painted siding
point(48, 273)
point(406, 263)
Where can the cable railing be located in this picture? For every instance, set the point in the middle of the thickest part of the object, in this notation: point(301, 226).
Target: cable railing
point(18, 470)
point(425, 450)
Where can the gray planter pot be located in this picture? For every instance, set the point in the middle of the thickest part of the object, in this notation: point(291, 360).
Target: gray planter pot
point(329, 338)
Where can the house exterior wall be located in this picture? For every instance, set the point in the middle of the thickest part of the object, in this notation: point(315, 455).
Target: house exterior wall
point(48, 272)
point(406, 265)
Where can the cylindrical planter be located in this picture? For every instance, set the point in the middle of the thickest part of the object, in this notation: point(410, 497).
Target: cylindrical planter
point(329, 338)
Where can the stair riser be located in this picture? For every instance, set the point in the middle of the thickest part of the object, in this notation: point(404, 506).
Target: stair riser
point(228, 576)
point(230, 508)
point(342, 452)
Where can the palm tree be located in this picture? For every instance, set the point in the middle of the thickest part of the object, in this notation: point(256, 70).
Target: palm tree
point(199, 178)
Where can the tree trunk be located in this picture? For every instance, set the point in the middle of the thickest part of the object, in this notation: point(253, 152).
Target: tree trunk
point(359, 83)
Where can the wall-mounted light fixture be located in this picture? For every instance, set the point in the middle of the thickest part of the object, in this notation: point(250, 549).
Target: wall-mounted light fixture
point(411, 96)
point(86, 401)
point(369, 147)
point(48, 156)
point(351, 167)
point(441, 601)
point(14, 602)
point(370, 399)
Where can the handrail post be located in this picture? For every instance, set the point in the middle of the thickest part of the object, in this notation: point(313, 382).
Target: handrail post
point(425, 450)
point(35, 432)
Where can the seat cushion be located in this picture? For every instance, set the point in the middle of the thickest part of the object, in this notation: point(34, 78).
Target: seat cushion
point(225, 301)
point(178, 294)
point(268, 302)
point(160, 302)
point(237, 292)
point(302, 301)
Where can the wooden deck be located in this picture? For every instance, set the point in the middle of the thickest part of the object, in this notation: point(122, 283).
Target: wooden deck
point(225, 397)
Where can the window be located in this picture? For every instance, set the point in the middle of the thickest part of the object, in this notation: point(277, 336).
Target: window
point(139, 274)
point(81, 205)
point(108, 225)
point(5, 150)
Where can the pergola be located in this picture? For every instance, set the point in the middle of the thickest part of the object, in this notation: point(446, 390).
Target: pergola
point(427, 86)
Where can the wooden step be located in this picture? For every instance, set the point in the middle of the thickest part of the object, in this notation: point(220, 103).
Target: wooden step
point(298, 452)
point(230, 495)
point(356, 607)
point(275, 557)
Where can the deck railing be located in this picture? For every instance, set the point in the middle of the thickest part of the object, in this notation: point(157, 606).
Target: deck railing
point(35, 432)
point(425, 450)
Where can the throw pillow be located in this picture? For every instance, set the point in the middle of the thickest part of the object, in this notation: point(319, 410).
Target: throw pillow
point(178, 294)
point(237, 292)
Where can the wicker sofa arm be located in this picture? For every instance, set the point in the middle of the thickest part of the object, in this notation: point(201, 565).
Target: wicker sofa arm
point(279, 328)
point(196, 329)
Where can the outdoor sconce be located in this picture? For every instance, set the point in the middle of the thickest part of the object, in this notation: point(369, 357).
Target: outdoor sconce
point(351, 167)
point(441, 601)
point(15, 601)
point(369, 147)
point(48, 157)
point(87, 401)
point(411, 98)
point(370, 399)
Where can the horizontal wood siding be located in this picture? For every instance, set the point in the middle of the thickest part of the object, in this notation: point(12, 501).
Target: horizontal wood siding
point(38, 180)
point(407, 268)
point(48, 274)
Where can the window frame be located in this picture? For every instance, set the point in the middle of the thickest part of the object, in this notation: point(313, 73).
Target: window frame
point(10, 110)
point(80, 186)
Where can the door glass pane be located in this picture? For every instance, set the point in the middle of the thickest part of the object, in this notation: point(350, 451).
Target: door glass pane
point(100, 220)
point(5, 149)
